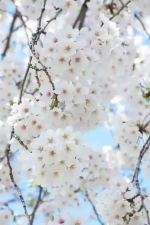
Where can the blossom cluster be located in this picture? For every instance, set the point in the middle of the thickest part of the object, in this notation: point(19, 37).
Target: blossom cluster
point(123, 205)
point(78, 79)
point(56, 158)
point(71, 97)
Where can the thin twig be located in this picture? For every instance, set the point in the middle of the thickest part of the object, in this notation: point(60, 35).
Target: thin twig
point(142, 200)
point(117, 13)
point(49, 21)
point(142, 152)
point(81, 16)
point(94, 208)
point(21, 142)
point(45, 69)
point(39, 22)
point(32, 93)
point(36, 206)
point(136, 176)
point(131, 199)
point(28, 82)
point(14, 30)
point(142, 24)
point(146, 125)
point(12, 177)
point(24, 79)
point(37, 79)
point(33, 42)
point(24, 25)
point(9, 35)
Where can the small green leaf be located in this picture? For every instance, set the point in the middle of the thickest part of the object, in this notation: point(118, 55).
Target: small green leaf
point(31, 202)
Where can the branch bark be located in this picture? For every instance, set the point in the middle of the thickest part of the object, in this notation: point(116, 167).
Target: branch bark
point(94, 208)
point(136, 176)
point(49, 21)
point(12, 177)
point(9, 35)
point(24, 79)
point(33, 42)
point(117, 13)
point(81, 16)
point(37, 204)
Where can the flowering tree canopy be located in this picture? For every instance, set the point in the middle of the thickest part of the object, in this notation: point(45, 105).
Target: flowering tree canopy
point(68, 67)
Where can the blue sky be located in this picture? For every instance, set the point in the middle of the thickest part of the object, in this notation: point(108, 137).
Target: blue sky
point(99, 137)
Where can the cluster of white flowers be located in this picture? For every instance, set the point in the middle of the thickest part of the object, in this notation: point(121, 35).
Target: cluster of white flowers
point(72, 97)
point(56, 158)
point(6, 216)
point(78, 79)
point(120, 204)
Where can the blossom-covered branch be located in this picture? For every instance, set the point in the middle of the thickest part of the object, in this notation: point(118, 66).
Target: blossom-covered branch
point(118, 12)
point(85, 70)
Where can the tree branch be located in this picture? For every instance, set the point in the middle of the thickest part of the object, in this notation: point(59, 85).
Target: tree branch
point(142, 200)
point(94, 208)
point(14, 30)
point(117, 13)
point(24, 79)
point(49, 21)
point(21, 143)
point(9, 35)
point(81, 16)
point(136, 176)
point(142, 153)
point(36, 206)
point(33, 42)
point(24, 25)
point(12, 177)
point(142, 24)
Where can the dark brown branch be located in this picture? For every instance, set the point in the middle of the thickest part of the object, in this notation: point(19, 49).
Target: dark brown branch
point(117, 13)
point(41, 15)
point(37, 79)
point(39, 23)
point(9, 35)
point(146, 125)
point(12, 177)
point(28, 82)
point(14, 30)
point(33, 42)
point(44, 68)
point(142, 153)
point(142, 24)
point(81, 16)
point(142, 200)
point(24, 80)
point(37, 205)
point(136, 176)
point(35, 37)
point(131, 199)
point(21, 143)
point(49, 21)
